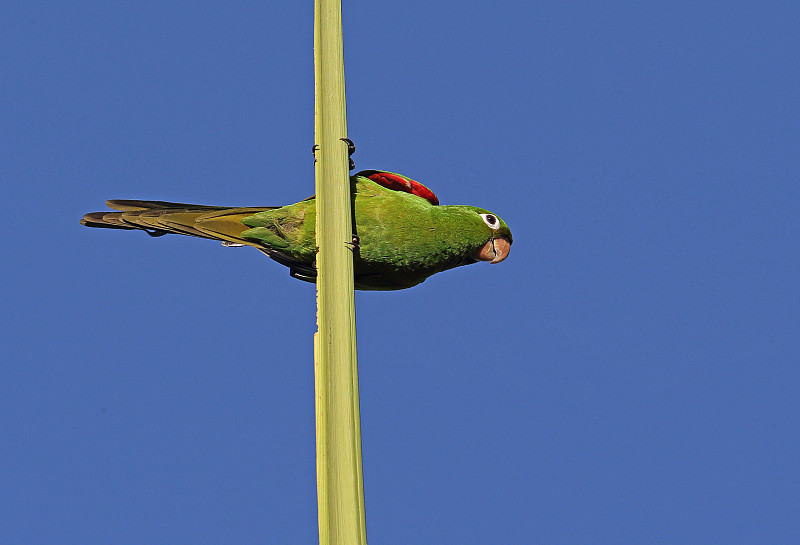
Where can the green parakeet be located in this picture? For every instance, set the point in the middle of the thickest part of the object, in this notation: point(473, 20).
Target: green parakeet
point(401, 234)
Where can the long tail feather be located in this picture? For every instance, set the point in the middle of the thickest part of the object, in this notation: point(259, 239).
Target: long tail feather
point(160, 218)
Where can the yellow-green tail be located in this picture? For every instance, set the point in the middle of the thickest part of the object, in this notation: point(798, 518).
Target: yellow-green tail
point(160, 218)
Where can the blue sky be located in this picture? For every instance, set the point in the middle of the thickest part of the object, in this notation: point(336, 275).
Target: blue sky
point(628, 375)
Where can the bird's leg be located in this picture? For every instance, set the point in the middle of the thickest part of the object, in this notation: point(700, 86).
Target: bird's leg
point(355, 245)
point(314, 149)
point(351, 149)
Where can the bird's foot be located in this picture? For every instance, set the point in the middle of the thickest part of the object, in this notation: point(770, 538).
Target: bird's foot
point(355, 245)
point(351, 149)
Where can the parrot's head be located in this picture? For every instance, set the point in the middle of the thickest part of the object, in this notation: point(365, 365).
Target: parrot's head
point(489, 238)
point(498, 245)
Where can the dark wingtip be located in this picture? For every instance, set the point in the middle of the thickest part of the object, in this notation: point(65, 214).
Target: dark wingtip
point(95, 219)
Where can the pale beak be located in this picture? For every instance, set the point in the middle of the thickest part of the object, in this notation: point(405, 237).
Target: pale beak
point(495, 251)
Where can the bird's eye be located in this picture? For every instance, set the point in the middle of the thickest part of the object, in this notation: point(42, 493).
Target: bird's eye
point(491, 220)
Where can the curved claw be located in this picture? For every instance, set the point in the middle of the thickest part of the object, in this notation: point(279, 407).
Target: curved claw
point(351, 147)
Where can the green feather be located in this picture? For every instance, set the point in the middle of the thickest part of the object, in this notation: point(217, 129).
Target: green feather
point(402, 238)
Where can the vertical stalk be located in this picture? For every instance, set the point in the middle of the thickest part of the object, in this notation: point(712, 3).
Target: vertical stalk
point(340, 487)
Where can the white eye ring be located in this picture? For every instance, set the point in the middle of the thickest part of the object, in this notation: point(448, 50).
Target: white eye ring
point(491, 220)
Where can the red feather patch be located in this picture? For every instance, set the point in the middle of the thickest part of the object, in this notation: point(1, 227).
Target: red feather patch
point(398, 183)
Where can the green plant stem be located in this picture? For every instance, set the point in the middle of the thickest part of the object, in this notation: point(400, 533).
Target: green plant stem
point(340, 488)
